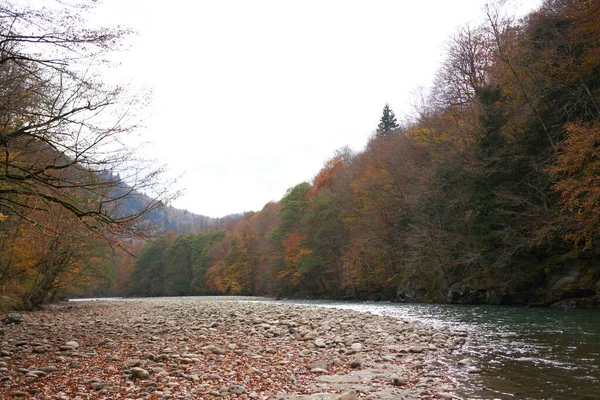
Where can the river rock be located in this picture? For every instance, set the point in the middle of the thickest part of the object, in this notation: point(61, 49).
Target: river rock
point(396, 381)
point(416, 349)
point(348, 396)
point(356, 347)
point(356, 363)
point(13, 318)
point(139, 373)
point(238, 389)
point(132, 362)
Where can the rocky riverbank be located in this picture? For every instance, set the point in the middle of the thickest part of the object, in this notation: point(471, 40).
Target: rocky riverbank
point(203, 348)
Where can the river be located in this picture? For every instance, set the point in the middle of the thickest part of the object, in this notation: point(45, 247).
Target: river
point(523, 353)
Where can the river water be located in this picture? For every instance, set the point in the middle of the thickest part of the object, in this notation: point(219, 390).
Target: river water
point(523, 353)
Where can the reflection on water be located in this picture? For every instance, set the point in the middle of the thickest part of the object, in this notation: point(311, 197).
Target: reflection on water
point(523, 353)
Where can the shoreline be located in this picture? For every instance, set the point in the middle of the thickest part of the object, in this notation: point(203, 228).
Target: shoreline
point(202, 348)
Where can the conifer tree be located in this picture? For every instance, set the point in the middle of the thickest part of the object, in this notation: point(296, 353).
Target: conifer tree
point(388, 121)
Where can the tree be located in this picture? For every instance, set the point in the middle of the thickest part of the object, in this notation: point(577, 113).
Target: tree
point(387, 122)
point(65, 172)
point(61, 126)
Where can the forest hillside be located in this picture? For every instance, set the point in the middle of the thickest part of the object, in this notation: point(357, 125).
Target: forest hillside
point(490, 194)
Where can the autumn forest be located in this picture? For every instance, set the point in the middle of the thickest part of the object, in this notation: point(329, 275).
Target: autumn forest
point(489, 193)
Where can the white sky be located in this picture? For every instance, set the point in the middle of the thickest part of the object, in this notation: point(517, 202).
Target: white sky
point(251, 97)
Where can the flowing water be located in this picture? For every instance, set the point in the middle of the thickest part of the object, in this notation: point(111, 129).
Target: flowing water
point(523, 353)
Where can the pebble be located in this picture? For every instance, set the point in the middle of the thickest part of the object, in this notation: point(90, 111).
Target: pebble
point(139, 373)
point(237, 389)
point(356, 363)
point(348, 396)
point(398, 381)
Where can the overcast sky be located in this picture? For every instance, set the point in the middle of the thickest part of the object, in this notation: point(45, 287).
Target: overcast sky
point(251, 97)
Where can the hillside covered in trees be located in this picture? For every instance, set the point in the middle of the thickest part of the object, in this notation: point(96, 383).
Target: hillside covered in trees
point(491, 194)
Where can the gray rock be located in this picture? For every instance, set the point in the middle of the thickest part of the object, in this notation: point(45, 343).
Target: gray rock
point(139, 373)
point(13, 318)
point(40, 349)
point(320, 343)
point(72, 343)
point(356, 363)
point(398, 381)
point(444, 395)
point(99, 386)
point(416, 349)
point(239, 389)
point(356, 347)
point(132, 362)
point(348, 396)
point(252, 371)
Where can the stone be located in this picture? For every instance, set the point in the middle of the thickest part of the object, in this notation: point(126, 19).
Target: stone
point(139, 373)
point(13, 318)
point(348, 396)
point(356, 347)
point(356, 363)
point(416, 349)
point(238, 389)
point(132, 362)
point(50, 368)
point(398, 381)
point(322, 364)
point(445, 396)
point(40, 349)
point(72, 343)
point(99, 386)
point(320, 343)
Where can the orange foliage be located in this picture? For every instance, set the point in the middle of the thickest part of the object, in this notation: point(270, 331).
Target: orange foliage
point(294, 252)
point(578, 171)
point(326, 176)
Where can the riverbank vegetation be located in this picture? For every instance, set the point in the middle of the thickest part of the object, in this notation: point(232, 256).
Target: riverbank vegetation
point(488, 195)
point(70, 189)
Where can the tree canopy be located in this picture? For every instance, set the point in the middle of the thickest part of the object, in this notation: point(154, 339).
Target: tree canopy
point(65, 174)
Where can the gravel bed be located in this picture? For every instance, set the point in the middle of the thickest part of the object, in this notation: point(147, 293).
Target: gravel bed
point(220, 347)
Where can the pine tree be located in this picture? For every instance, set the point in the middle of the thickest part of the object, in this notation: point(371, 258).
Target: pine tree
point(388, 121)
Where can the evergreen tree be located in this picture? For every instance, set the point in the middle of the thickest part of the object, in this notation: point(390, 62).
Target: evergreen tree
point(388, 121)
